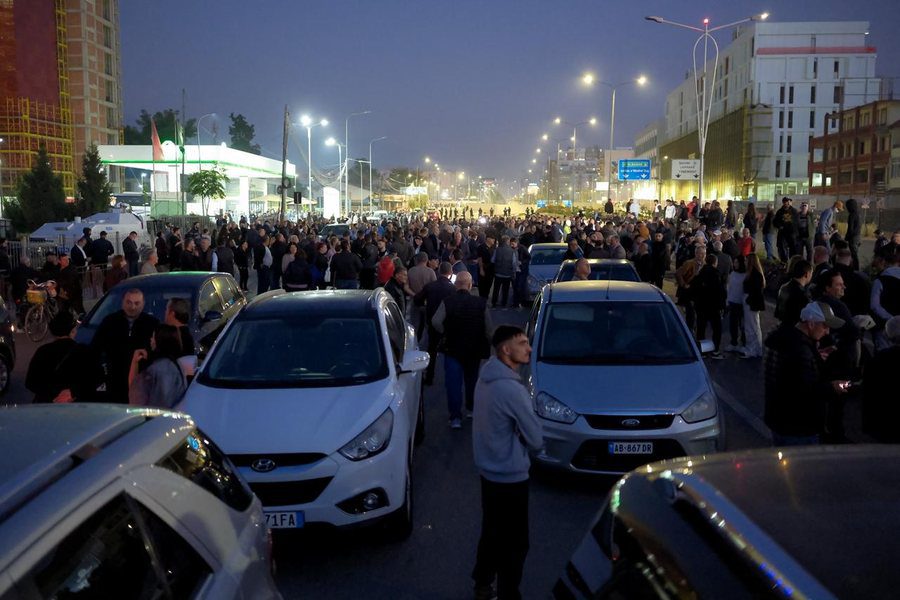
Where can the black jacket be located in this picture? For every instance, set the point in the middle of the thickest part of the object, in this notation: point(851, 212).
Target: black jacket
point(100, 250)
point(225, 260)
point(115, 343)
point(707, 290)
point(792, 298)
point(432, 295)
point(297, 276)
point(130, 250)
point(796, 392)
point(345, 265)
point(853, 223)
point(881, 410)
point(63, 364)
point(465, 335)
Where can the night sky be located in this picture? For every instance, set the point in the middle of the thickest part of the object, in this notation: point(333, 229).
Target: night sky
point(470, 83)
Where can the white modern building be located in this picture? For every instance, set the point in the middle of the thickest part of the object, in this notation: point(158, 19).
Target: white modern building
point(786, 77)
point(252, 186)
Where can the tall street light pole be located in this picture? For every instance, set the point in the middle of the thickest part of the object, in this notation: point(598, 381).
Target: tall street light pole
point(333, 142)
point(703, 92)
point(347, 148)
point(307, 122)
point(378, 139)
point(592, 121)
point(284, 145)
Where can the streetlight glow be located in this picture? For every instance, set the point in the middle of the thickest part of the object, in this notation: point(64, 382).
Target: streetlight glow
point(642, 80)
point(427, 160)
point(764, 16)
point(330, 141)
point(588, 78)
point(305, 120)
point(557, 120)
point(545, 137)
point(593, 121)
point(537, 150)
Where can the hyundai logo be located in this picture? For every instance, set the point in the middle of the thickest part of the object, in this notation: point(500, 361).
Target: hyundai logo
point(263, 465)
point(628, 423)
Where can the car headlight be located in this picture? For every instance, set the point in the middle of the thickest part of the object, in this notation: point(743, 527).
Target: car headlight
point(535, 284)
point(548, 407)
point(701, 409)
point(373, 440)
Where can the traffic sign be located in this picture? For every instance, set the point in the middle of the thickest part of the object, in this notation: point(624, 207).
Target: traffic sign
point(634, 169)
point(686, 168)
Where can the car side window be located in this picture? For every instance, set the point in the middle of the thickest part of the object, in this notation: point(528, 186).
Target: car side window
point(120, 547)
point(396, 326)
point(227, 290)
point(208, 299)
point(201, 461)
point(532, 320)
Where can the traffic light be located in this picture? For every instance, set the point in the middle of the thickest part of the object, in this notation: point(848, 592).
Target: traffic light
point(297, 198)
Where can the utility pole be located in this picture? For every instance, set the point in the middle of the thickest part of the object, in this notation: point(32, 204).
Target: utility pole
point(180, 140)
point(284, 147)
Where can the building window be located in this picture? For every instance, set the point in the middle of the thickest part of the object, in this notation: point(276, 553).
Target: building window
point(781, 119)
point(777, 168)
point(781, 95)
point(781, 142)
point(790, 119)
point(862, 148)
point(791, 95)
point(882, 116)
point(110, 90)
point(812, 95)
point(107, 63)
point(106, 11)
point(838, 94)
point(815, 68)
point(107, 36)
point(787, 168)
point(789, 144)
point(812, 119)
point(837, 68)
point(895, 168)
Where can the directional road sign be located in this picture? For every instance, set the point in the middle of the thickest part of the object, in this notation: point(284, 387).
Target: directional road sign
point(686, 168)
point(634, 169)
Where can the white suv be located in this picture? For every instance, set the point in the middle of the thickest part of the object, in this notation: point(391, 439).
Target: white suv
point(317, 398)
point(121, 502)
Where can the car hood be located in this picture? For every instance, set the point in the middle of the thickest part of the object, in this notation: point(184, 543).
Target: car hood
point(622, 389)
point(282, 421)
point(545, 272)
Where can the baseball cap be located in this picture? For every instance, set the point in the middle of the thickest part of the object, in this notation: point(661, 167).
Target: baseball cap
point(819, 312)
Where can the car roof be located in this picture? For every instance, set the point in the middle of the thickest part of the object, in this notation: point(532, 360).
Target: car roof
point(598, 261)
point(830, 508)
point(602, 291)
point(174, 278)
point(547, 245)
point(42, 442)
point(342, 302)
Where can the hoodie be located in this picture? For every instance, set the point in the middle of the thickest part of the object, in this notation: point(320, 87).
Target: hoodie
point(883, 304)
point(853, 224)
point(504, 426)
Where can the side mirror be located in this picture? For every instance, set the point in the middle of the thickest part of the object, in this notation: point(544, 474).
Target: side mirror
point(414, 360)
point(707, 346)
point(212, 315)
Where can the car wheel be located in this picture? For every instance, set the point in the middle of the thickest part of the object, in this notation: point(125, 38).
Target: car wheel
point(399, 524)
point(420, 419)
point(5, 374)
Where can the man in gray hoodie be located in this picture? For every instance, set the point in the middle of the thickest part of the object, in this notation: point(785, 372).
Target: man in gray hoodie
point(504, 429)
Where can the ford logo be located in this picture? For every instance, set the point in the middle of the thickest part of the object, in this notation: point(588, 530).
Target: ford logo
point(263, 465)
point(631, 422)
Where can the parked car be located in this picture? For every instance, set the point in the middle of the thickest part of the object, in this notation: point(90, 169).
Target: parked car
point(808, 522)
point(338, 229)
point(618, 269)
point(7, 347)
point(108, 501)
point(545, 260)
point(617, 378)
point(321, 417)
point(215, 299)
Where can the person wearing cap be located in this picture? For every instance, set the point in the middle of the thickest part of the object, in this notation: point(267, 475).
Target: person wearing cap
point(63, 370)
point(797, 389)
point(826, 219)
point(785, 222)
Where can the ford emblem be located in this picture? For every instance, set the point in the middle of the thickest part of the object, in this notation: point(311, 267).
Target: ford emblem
point(263, 465)
point(628, 423)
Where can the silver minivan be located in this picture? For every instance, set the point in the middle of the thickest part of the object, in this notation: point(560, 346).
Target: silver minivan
point(617, 378)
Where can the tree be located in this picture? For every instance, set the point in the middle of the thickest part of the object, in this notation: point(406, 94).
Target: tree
point(41, 197)
point(242, 132)
point(207, 184)
point(165, 126)
point(93, 186)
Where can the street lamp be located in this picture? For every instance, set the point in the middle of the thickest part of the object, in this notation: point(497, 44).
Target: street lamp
point(347, 147)
point(307, 122)
point(702, 98)
point(558, 120)
point(199, 163)
point(333, 142)
point(589, 79)
point(378, 139)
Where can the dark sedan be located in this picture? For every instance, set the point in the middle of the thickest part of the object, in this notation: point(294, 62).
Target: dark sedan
point(616, 269)
point(810, 522)
point(215, 298)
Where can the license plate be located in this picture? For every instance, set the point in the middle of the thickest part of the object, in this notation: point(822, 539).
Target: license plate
point(284, 520)
point(631, 447)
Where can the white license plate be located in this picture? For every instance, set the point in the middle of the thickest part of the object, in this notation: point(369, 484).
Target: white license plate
point(284, 520)
point(631, 447)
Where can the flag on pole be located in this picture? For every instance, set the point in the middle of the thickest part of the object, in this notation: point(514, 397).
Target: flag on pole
point(157, 146)
point(179, 136)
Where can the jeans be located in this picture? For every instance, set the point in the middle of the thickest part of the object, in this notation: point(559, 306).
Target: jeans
point(501, 285)
point(753, 332)
point(456, 373)
point(276, 279)
point(244, 273)
point(520, 289)
point(472, 268)
point(133, 268)
point(736, 324)
point(806, 248)
point(769, 241)
point(263, 279)
point(794, 440)
point(434, 338)
point(714, 318)
point(503, 545)
point(484, 284)
point(346, 284)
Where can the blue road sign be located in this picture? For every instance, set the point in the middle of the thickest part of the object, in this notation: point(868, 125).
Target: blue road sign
point(567, 203)
point(634, 169)
point(542, 204)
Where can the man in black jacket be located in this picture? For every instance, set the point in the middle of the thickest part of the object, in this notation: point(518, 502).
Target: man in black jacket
point(793, 296)
point(100, 250)
point(796, 388)
point(130, 250)
point(431, 296)
point(785, 221)
point(854, 228)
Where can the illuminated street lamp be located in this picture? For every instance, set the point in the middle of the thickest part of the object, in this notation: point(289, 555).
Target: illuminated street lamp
point(307, 122)
point(347, 147)
point(702, 96)
point(589, 79)
point(333, 142)
point(592, 121)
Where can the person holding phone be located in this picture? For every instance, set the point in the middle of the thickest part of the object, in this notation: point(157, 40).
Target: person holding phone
point(797, 389)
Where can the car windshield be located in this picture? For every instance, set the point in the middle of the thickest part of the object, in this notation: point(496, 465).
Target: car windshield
point(614, 333)
point(600, 272)
point(297, 351)
point(155, 300)
point(547, 256)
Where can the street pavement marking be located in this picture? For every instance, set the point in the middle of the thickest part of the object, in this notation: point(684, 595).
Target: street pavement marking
point(743, 412)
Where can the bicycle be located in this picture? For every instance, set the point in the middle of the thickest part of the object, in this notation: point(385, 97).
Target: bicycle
point(42, 298)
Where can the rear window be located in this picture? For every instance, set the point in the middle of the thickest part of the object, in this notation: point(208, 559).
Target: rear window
point(548, 256)
point(601, 272)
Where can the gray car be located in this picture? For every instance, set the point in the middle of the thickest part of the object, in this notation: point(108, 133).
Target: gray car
point(544, 264)
point(617, 378)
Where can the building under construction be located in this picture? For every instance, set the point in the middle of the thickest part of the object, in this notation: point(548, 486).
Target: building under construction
point(59, 84)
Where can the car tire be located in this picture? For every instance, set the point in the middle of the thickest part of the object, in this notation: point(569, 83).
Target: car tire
point(5, 374)
point(420, 419)
point(399, 523)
